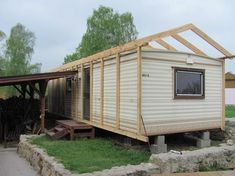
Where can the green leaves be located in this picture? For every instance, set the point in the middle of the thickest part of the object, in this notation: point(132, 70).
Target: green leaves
point(105, 29)
point(18, 52)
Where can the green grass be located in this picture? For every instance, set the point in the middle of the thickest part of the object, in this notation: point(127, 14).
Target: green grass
point(88, 155)
point(230, 111)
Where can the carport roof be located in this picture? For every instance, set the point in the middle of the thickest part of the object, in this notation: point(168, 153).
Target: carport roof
point(24, 79)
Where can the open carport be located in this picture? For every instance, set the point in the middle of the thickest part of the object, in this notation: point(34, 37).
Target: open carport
point(29, 87)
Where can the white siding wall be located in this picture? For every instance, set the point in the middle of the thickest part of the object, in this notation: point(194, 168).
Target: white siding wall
point(128, 93)
point(161, 112)
point(96, 92)
point(110, 92)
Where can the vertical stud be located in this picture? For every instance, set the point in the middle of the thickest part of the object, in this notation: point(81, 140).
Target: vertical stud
point(102, 91)
point(139, 81)
point(223, 96)
point(82, 87)
point(91, 91)
point(117, 91)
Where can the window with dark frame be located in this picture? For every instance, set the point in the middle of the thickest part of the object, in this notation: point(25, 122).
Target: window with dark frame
point(189, 83)
point(68, 85)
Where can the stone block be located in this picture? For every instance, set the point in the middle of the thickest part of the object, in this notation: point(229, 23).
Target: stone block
point(159, 140)
point(201, 143)
point(155, 149)
point(205, 135)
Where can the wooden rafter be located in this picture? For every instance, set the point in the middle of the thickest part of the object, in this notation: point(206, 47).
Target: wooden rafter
point(165, 44)
point(156, 37)
point(188, 45)
point(210, 41)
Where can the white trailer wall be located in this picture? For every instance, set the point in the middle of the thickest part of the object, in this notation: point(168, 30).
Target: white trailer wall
point(162, 113)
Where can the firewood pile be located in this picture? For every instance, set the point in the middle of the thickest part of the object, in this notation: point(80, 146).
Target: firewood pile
point(18, 116)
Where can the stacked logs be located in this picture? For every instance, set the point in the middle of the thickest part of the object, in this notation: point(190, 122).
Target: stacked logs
point(18, 116)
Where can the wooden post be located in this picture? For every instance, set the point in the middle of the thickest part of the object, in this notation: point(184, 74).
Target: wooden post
point(42, 89)
point(117, 91)
point(82, 88)
point(223, 96)
point(91, 91)
point(139, 88)
point(102, 91)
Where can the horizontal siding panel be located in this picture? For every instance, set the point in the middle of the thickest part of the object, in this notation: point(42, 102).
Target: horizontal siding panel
point(160, 110)
point(128, 95)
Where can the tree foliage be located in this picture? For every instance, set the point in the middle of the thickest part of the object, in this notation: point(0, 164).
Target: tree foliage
point(105, 29)
point(17, 55)
point(19, 50)
point(2, 35)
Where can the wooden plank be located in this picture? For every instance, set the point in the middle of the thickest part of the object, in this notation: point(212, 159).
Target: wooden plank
point(118, 91)
point(82, 91)
point(118, 131)
point(223, 96)
point(188, 45)
point(91, 91)
point(165, 44)
point(102, 91)
point(139, 89)
point(210, 41)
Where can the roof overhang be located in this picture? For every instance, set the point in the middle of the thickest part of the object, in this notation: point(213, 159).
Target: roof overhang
point(33, 78)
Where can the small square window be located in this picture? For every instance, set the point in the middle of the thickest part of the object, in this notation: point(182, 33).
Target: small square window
point(68, 84)
point(189, 83)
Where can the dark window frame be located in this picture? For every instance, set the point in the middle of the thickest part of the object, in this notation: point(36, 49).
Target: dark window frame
point(177, 96)
point(68, 84)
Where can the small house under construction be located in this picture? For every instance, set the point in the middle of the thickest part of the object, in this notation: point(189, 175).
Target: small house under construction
point(138, 91)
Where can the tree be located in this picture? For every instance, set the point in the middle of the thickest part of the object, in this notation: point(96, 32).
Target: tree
point(2, 35)
point(19, 50)
point(2, 60)
point(105, 29)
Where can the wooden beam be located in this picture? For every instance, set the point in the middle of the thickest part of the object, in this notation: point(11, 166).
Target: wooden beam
point(42, 89)
point(102, 91)
point(210, 41)
point(32, 86)
point(118, 131)
point(82, 91)
point(91, 91)
point(18, 89)
point(165, 44)
point(188, 45)
point(117, 91)
point(223, 96)
point(139, 89)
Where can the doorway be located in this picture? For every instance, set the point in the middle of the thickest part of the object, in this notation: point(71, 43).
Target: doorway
point(86, 94)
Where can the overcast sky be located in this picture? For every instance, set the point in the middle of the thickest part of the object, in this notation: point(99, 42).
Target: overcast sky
point(60, 24)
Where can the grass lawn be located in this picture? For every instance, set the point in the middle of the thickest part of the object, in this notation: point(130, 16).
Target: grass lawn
point(88, 155)
point(230, 111)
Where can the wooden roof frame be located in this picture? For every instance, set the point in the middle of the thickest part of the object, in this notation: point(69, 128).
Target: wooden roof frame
point(159, 38)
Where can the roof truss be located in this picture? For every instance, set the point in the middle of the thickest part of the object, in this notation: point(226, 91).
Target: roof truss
point(159, 38)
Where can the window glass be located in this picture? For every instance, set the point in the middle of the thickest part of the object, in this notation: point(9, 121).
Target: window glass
point(189, 83)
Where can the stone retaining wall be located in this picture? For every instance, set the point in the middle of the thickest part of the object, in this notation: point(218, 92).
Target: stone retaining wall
point(192, 161)
point(48, 166)
point(45, 165)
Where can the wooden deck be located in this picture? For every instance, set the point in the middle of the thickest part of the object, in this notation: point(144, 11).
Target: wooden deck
point(217, 173)
point(71, 127)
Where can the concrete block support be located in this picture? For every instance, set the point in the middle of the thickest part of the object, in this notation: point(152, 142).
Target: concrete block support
point(159, 145)
point(204, 141)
